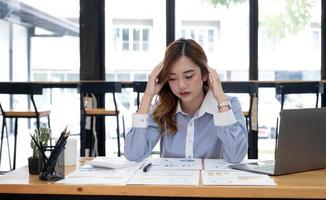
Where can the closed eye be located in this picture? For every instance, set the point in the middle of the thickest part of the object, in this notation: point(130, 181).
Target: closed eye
point(189, 77)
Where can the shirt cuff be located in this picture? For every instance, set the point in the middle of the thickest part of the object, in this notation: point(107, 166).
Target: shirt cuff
point(139, 120)
point(224, 118)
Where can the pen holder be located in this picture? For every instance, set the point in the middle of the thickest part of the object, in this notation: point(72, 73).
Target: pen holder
point(53, 168)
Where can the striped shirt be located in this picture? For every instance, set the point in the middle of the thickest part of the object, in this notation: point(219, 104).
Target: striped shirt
point(206, 134)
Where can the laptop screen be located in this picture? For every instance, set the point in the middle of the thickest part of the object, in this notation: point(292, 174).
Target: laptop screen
point(301, 143)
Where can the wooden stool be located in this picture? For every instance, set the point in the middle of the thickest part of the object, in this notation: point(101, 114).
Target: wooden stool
point(21, 89)
point(98, 88)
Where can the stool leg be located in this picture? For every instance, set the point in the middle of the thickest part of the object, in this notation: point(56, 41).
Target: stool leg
point(91, 136)
point(15, 143)
point(49, 125)
point(2, 131)
point(9, 156)
point(123, 128)
point(118, 136)
point(38, 122)
point(82, 134)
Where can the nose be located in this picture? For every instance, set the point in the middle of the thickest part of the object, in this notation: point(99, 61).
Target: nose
point(182, 83)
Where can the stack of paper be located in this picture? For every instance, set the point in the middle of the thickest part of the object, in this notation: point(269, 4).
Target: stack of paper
point(92, 175)
point(176, 177)
point(217, 172)
point(175, 164)
point(216, 164)
point(235, 178)
point(112, 163)
point(169, 171)
point(163, 171)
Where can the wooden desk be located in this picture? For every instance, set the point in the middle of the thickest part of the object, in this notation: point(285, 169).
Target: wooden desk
point(19, 184)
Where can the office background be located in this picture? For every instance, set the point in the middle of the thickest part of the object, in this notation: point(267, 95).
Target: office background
point(121, 40)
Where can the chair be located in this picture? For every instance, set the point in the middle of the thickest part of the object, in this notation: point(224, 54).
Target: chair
point(97, 88)
point(297, 88)
point(251, 115)
point(139, 87)
point(20, 89)
point(286, 88)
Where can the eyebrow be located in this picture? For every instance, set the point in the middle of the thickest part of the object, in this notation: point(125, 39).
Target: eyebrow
point(185, 72)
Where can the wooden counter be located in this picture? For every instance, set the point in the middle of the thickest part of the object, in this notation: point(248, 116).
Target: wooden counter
point(306, 185)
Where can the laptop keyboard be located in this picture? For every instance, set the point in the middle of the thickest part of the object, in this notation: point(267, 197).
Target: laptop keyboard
point(267, 166)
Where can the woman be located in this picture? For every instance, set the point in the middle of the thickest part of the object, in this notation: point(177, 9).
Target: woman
point(192, 116)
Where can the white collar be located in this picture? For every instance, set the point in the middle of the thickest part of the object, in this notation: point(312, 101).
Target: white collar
point(209, 105)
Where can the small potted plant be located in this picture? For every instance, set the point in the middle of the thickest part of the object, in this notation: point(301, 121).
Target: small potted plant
point(41, 136)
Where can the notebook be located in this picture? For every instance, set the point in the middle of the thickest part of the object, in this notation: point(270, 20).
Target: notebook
point(301, 145)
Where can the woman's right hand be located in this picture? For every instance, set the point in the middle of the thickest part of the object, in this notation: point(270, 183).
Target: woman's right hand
point(153, 87)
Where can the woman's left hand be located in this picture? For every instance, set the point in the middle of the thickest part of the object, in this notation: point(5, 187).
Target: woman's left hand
point(216, 85)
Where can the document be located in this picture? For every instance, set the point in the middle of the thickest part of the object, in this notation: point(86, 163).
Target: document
point(234, 177)
point(216, 164)
point(221, 164)
point(112, 163)
point(168, 171)
point(217, 172)
point(175, 164)
point(88, 174)
point(168, 177)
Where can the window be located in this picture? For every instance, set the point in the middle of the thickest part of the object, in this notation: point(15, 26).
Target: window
point(4, 50)
point(134, 38)
point(222, 31)
point(54, 54)
point(206, 35)
point(316, 38)
point(289, 49)
point(289, 39)
point(125, 39)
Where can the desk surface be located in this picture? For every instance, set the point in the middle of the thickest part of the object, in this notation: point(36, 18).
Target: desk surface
point(310, 185)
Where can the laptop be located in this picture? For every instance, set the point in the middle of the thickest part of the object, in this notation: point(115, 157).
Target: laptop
point(301, 144)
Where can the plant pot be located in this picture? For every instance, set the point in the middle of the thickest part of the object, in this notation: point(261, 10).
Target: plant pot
point(34, 165)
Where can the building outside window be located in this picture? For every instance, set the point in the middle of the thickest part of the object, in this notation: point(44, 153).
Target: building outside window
point(222, 31)
point(204, 33)
point(40, 42)
point(131, 38)
point(289, 49)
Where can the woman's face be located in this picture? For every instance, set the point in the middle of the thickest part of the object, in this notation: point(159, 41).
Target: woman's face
point(185, 80)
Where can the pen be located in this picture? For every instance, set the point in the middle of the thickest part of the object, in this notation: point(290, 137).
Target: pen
point(147, 167)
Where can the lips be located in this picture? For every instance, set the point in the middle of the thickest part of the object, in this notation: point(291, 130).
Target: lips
point(184, 94)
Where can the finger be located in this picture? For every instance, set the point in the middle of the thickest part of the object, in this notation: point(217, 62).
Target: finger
point(212, 74)
point(211, 70)
point(157, 70)
point(158, 66)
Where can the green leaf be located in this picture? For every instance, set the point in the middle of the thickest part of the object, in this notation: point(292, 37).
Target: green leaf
point(226, 3)
point(42, 136)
